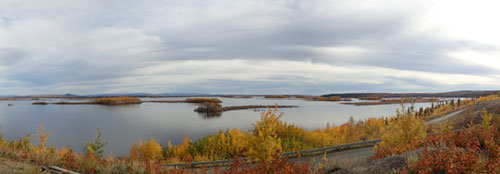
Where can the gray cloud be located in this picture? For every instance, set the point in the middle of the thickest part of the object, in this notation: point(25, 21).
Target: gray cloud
point(130, 46)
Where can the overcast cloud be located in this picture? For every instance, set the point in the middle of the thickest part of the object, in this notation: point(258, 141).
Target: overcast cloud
point(247, 46)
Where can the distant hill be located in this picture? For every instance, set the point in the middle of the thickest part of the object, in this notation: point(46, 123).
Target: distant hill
point(149, 95)
point(9, 96)
point(183, 94)
point(113, 95)
point(71, 95)
point(118, 94)
point(399, 95)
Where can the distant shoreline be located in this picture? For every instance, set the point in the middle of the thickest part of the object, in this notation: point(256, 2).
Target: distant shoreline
point(393, 101)
point(465, 94)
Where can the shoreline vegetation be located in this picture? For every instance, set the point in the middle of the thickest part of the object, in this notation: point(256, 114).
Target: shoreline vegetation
point(370, 98)
point(395, 101)
point(188, 100)
point(269, 136)
point(131, 100)
point(99, 101)
point(210, 106)
point(214, 108)
point(236, 96)
point(452, 94)
point(307, 97)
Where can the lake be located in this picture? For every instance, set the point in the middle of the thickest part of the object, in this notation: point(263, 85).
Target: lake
point(123, 126)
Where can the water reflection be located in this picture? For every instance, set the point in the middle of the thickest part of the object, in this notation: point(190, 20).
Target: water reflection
point(209, 110)
point(209, 115)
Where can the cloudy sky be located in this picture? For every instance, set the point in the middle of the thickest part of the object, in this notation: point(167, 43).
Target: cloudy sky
point(248, 46)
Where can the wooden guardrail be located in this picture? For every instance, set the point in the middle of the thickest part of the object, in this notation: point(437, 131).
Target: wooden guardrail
point(57, 170)
point(286, 155)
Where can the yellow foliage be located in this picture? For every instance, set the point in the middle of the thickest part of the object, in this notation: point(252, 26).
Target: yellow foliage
point(117, 101)
point(487, 119)
point(443, 109)
point(444, 127)
point(405, 129)
point(488, 98)
point(346, 133)
point(265, 141)
point(182, 150)
point(229, 144)
point(201, 158)
point(3, 143)
point(43, 138)
point(63, 151)
point(147, 151)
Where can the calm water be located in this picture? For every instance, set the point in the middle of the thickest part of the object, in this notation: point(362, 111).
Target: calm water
point(123, 126)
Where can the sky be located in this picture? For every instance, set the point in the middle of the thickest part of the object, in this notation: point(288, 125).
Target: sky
point(248, 46)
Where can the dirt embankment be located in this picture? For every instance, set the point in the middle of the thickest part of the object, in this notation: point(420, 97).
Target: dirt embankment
point(473, 115)
point(393, 164)
point(16, 167)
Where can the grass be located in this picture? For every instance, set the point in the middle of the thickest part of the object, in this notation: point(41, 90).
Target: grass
point(40, 103)
point(230, 108)
point(103, 101)
point(236, 96)
point(319, 98)
point(116, 101)
point(188, 100)
point(203, 100)
point(215, 107)
point(275, 96)
point(370, 98)
point(11, 166)
point(333, 98)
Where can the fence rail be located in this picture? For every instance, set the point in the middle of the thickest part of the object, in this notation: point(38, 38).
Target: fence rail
point(57, 170)
point(287, 154)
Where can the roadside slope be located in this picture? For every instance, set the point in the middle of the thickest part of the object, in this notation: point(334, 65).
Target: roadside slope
point(14, 167)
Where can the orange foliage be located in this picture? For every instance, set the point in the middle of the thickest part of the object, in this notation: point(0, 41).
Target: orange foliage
point(275, 96)
point(370, 98)
point(319, 98)
point(203, 100)
point(147, 151)
point(116, 101)
point(470, 151)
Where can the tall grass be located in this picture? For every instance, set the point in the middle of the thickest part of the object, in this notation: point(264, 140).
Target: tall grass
point(370, 98)
point(116, 101)
point(203, 100)
point(319, 98)
point(275, 96)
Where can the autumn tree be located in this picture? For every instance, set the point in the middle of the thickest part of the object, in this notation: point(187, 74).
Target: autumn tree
point(405, 128)
point(265, 140)
point(147, 151)
point(96, 147)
